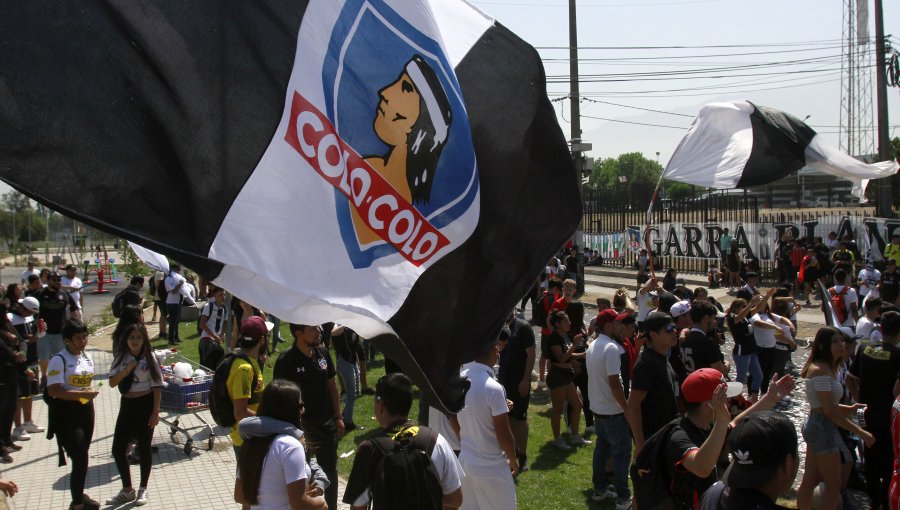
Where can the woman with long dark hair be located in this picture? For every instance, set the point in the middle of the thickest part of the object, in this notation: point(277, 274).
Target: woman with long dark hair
point(273, 472)
point(825, 450)
point(70, 379)
point(136, 369)
point(131, 314)
point(560, 378)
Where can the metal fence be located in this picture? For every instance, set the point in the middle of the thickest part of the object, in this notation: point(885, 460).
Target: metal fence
point(610, 214)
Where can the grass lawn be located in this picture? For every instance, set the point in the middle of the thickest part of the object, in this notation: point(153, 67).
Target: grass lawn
point(557, 480)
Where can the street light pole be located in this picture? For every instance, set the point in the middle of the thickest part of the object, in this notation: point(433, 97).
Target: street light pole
point(884, 142)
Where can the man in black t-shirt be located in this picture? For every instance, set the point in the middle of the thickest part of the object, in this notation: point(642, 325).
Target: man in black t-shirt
point(308, 364)
point(56, 304)
point(654, 385)
point(871, 380)
point(694, 446)
point(890, 283)
point(516, 365)
point(700, 349)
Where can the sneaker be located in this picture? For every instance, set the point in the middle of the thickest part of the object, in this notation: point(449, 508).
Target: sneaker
point(368, 391)
point(623, 503)
point(142, 497)
point(5, 459)
point(577, 440)
point(589, 429)
point(89, 503)
point(20, 434)
point(124, 496)
point(606, 493)
point(32, 428)
point(560, 443)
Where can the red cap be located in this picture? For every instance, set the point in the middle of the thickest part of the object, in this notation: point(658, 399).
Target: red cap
point(253, 328)
point(700, 385)
point(609, 315)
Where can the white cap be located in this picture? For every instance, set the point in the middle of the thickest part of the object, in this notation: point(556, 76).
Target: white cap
point(680, 308)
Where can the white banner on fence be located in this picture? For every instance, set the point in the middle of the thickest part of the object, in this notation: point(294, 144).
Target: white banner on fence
point(610, 246)
point(702, 240)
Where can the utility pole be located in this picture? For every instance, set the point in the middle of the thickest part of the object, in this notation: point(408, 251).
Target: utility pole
point(576, 143)
point(884, 142)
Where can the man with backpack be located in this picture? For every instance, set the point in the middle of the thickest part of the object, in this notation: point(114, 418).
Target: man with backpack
point(390, 471)
point(683, 455)
point(131, 295)
point(844, 300)
point(244, 381)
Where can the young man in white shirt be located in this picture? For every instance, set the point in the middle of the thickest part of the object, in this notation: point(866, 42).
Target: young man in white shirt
point(868, 322)
point(488, 452)
point(213, 318)
point(868, 280)
point(174, 282)
point(72, 284)
point(28, 272)
point(607, 402)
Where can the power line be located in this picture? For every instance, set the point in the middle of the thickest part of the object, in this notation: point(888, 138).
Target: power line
point(599, 78)
point(835, 59)
point(702, 46)
point(708, 55)
point(636, 123)
point(661, 93)
point(636, 107)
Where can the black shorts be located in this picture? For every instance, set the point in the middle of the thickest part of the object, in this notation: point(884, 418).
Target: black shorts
point(519, 409)
point(27, 388)
point(559, 377)
point(810, 276)
point(162, 307)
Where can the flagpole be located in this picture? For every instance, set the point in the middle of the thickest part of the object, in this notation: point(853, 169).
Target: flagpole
point(649, 219)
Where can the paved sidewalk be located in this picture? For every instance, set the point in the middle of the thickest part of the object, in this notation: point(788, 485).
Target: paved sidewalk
point(203, 479)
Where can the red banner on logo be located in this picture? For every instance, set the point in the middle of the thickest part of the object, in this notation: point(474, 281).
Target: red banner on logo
point(390, 216)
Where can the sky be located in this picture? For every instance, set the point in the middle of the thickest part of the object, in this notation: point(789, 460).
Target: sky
point(806, 34)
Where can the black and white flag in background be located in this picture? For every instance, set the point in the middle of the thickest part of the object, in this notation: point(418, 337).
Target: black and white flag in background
point(383, 164)
point(739, 144)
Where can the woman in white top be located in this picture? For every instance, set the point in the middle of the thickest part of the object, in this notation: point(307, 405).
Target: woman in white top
point(70, 378)
point(272, 470)
point(825, 450)
point(135, 370)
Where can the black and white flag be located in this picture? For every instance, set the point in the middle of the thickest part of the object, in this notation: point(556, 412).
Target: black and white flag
point(739, 144)
point(384, 164)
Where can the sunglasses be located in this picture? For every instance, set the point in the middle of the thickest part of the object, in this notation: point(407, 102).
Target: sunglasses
point(670, 328)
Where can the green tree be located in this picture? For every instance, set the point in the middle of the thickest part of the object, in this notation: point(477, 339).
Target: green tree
point(15, 201)
point(632, 165)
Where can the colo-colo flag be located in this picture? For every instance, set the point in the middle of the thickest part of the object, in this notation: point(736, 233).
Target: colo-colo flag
point(383, 164)
point(738, 144)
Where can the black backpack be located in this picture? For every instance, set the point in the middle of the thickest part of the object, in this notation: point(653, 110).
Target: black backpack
point(405, 477)
point(220, 404)
point(650, 478)
point(117, 304)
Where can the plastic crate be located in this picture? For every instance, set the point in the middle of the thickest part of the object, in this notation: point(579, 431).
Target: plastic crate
point(192, 396)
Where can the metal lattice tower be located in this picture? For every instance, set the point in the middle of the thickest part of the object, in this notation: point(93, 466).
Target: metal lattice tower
point(857, 130)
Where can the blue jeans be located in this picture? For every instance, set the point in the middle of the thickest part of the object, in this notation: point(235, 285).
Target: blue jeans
point(613, 438)
point(350, 374)
point(748, 362)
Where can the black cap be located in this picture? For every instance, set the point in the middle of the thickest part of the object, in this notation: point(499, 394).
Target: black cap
point(751, 274)
point(758, 445)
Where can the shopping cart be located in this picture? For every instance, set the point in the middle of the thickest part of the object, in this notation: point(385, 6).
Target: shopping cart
point(181, 397)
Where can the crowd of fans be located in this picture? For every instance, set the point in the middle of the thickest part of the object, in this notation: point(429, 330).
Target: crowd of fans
point(645, 380)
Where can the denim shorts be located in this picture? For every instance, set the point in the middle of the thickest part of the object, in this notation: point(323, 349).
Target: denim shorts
point(822, 436)
point(49, 344)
